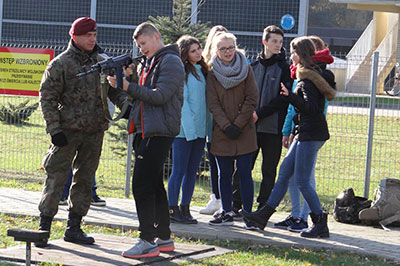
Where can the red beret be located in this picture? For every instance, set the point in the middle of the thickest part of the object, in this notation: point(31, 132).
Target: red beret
point(82, 26)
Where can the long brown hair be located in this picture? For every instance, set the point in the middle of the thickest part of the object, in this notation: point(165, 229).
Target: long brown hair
point(184, 44)
point(305, 49)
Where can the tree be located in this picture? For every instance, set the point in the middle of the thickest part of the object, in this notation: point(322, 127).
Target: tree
point(173, 28)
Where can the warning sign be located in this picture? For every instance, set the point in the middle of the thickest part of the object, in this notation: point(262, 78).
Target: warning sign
point(21, 70)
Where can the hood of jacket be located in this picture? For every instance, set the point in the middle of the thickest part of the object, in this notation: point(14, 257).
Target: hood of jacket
point(324, 81)
point(281, 57)
point(168, 49)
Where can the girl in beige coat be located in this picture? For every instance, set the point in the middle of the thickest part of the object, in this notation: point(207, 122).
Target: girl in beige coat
point(232, 97)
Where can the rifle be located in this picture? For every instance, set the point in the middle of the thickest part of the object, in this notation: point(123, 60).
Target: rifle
point(110, 66)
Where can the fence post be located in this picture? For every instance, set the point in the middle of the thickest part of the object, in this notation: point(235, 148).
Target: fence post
point(371, 123)
point(193, 17)
point(93, 7)
point(303, 18)
point(1, 18)
point(128, 173)
point(128, 166)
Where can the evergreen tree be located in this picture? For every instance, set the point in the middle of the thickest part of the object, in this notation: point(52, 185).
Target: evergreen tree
point(173, 28)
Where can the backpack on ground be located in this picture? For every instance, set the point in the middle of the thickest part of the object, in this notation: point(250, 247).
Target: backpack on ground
point(385, 208)
point(347, 206)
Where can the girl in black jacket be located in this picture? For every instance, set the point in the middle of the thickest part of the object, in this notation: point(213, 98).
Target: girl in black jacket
point(313, 86)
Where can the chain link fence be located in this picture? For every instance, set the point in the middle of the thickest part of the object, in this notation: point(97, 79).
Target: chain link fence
point(342, 160)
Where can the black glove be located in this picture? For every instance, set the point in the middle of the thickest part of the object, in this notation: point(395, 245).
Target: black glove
point(59, 139)
point(233, 132)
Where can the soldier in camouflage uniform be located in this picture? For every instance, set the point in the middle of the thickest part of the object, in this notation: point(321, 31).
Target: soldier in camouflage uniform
point(75, 119)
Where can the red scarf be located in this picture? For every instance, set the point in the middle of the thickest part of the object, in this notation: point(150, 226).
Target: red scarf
point(293, 69)
point(323, 56)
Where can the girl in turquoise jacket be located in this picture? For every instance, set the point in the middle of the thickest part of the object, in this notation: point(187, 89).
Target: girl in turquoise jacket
point(188, 146)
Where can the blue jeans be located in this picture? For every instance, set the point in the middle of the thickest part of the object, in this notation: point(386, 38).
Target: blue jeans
point(225, 171)
point(67, 185)
point(299, 163)
point(299, 211)
point(186, 156)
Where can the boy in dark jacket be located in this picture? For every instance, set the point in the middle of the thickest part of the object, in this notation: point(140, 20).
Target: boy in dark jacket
point(270, 69)
point(155, 119)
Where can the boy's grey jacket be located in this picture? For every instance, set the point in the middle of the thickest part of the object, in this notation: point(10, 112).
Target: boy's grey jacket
point(271, 108)
point(156, 106)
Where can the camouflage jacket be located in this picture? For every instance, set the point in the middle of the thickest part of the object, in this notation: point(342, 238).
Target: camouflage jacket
point(69, 102)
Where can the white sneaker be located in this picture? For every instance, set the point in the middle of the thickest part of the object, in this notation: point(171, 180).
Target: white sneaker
point(213, 205)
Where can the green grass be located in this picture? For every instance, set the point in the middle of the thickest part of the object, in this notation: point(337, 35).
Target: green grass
point(341, 161)
point(243, 254)
point(366, 99)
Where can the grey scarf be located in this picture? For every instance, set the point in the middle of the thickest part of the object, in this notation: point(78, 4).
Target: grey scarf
point(232, 75)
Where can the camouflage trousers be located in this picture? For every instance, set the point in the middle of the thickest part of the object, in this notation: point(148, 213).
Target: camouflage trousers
point(82, 154)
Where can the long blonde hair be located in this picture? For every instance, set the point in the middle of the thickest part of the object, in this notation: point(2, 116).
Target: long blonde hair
point(210, 38)
point(222, 36)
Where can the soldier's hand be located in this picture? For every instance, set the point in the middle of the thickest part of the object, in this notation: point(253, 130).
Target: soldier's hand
point(59, 139)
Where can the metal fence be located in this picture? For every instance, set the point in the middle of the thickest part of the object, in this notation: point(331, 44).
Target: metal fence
point(43, 21)
point(341, 162)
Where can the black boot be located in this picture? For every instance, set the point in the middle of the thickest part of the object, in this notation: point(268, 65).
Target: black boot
point(260, 205)
point(260, 217)
point(45, 225)
point(185, 211)
point(176, 216)
point(74, 232)
point(319, 228)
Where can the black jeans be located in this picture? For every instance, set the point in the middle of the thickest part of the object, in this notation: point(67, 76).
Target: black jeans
point(271, 149)
point(148, 187)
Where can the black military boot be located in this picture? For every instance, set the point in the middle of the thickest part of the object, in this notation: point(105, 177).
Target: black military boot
point(45, 225)
point(74, 232)
point(260, 217)
point(319, 228)
point(185, 211)
point(176, 216)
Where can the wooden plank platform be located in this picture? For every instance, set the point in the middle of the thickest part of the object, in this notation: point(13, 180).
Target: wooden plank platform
point(106, 252)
